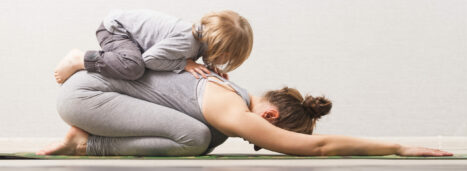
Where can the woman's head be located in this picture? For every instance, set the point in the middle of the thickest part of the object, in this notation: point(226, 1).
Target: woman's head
point(228, 38)
point(295, 113)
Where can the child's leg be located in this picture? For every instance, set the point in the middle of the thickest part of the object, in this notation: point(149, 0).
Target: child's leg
point(119, 58)
point(131, 126)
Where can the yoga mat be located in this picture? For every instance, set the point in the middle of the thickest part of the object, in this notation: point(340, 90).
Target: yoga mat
point(226, 157)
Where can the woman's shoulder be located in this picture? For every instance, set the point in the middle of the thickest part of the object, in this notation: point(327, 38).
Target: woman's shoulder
point(221, 102)
point(222, 95)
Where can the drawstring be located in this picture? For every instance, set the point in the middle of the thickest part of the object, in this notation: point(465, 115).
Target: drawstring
point(199, 31)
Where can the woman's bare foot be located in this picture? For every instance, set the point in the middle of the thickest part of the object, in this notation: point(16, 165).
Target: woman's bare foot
point(75, 143)
point(71, 63)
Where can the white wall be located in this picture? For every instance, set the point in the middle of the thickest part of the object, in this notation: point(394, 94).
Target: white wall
point(392, 68)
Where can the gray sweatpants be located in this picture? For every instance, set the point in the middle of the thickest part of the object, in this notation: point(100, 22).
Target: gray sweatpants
point(121, 124)
point(120, 57)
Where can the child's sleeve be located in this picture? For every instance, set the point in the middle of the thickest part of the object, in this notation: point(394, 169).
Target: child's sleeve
point(170, 54)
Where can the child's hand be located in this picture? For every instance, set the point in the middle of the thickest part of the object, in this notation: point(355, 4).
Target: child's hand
point(195, 68)
point(216, 70)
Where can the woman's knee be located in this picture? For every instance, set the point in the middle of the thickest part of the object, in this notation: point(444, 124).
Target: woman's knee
point(199, 142)
point(74, 95)
point(68, 107)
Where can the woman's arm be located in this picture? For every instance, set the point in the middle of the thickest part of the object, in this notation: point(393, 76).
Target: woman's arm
point(257, 130)
point(344, 145)
point(262, 133)
point(228, 113)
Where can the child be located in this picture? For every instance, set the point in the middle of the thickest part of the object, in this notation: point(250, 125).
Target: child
point(132, 41)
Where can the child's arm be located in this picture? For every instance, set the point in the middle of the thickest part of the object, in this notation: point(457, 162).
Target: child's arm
point(170, 54)
point(195, 69)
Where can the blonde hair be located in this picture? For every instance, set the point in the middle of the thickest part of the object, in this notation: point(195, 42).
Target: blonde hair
point(228, 38)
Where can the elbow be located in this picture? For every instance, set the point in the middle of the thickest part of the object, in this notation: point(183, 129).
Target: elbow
point(315, 147)
point(314, 151)
point(321, 149)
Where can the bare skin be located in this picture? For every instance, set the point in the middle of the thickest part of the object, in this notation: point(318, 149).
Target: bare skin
point(72, 62)
point(75, 144)
point(227, 112)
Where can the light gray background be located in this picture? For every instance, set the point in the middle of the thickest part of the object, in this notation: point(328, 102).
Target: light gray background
point(392, 68)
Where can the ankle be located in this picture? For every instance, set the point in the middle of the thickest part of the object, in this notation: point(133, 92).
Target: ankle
point(81, 149)
point(79, 63)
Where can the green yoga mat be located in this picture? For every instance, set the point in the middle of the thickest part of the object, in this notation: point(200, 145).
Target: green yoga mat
point(226, 157)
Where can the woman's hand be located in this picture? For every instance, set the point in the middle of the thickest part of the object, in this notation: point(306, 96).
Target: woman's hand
point(195, 68)
point(421, 151)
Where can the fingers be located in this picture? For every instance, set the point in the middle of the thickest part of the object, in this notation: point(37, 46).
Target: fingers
point(200, 71)
point(205, 69)
point(442, 153)
point(196, 69)
point(445, 153)
point(224, 75)
point(436, 152)
point(193, 73)
point(423, 151)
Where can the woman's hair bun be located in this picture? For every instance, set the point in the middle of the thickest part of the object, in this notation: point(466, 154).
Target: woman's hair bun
point(317, 106)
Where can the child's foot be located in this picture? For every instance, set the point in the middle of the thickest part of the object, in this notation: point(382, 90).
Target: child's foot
point(74, 144)
point(71, 63)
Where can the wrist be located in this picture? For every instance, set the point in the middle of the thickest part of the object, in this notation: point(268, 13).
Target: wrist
point(398, 149)
point(183, 65)
point(80, 64)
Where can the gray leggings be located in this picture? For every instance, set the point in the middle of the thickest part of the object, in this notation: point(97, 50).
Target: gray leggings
point(121, 124)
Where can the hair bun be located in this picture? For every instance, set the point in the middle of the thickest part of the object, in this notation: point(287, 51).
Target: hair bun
point(317, 106)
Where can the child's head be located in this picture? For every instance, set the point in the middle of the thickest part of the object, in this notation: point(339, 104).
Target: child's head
point(228, 38)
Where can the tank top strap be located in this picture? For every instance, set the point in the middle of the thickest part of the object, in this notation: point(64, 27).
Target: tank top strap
point(240, 91)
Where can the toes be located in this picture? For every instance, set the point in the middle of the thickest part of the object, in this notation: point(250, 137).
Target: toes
point(58, 79)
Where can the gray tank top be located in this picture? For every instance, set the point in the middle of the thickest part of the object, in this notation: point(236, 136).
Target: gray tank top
point(240, 91)
point(217, 137)
point(183, 92)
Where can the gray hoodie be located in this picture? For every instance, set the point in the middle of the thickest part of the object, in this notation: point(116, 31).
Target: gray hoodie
point(166, 41)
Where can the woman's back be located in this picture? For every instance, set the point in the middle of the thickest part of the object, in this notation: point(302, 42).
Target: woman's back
point(169, 89)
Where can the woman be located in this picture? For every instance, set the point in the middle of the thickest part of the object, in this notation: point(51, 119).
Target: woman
point(149, 116)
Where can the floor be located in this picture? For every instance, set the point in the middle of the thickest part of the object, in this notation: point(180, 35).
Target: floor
point(457, 145)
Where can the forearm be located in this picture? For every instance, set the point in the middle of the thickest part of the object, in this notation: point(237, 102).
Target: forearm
point(168, 55)
point(343, 145)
